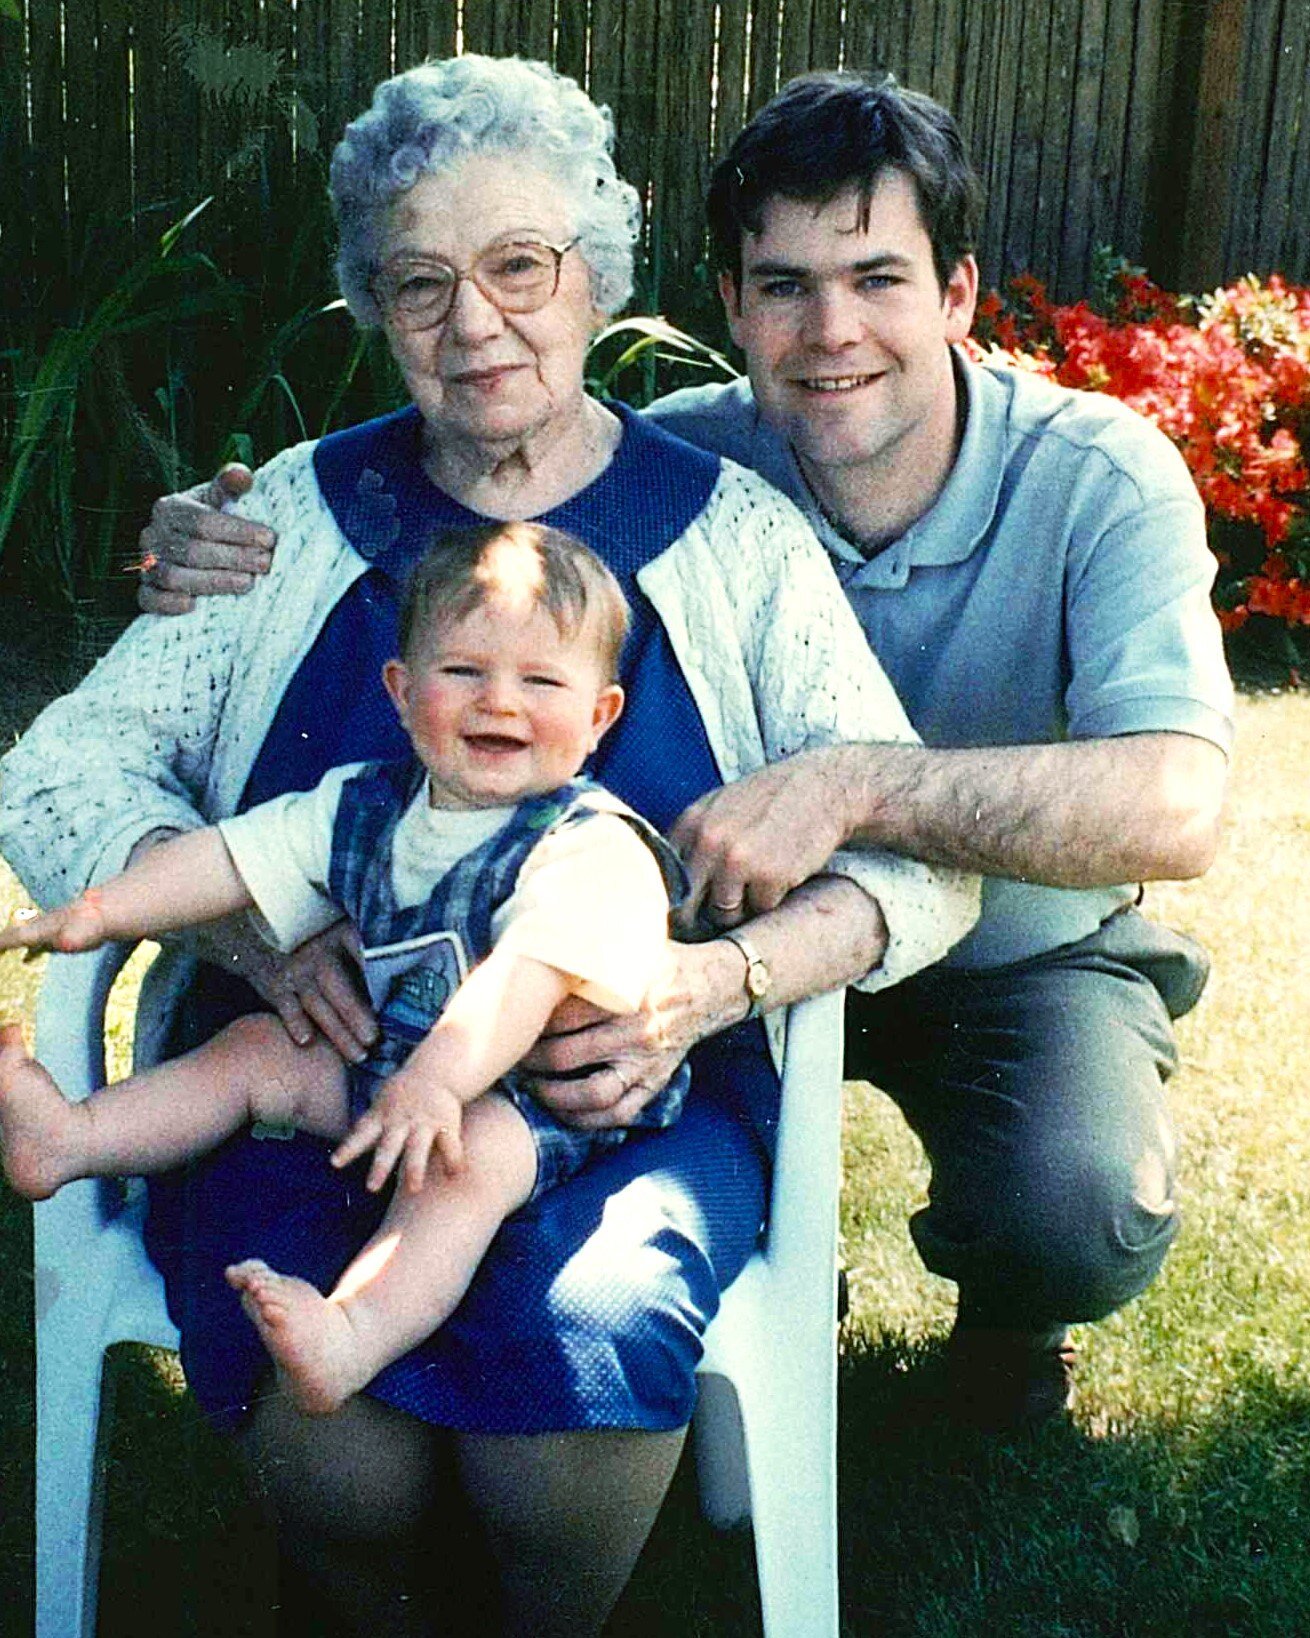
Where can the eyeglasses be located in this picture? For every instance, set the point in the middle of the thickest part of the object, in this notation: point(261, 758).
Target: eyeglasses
point(515, 275)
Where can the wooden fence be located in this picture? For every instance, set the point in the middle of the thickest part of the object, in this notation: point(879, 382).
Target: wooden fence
point(1176, 131)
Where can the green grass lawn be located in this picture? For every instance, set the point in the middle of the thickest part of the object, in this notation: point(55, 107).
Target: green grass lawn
point(1178, 1502)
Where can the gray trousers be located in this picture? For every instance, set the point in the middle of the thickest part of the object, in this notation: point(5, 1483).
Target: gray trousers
point(1037, 1092)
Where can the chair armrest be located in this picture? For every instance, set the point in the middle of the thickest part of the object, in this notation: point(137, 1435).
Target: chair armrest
point(802, 1233)
point(70, 1016)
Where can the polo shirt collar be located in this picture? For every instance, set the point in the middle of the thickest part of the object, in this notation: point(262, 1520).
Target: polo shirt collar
point(952, 528)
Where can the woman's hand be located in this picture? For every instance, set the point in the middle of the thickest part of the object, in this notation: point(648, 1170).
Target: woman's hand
point(191, 548)
point(313, 990)
point(409, 1119)
point(595, 1069)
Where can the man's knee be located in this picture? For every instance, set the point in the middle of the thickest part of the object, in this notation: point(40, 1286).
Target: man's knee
point(1073, 1238)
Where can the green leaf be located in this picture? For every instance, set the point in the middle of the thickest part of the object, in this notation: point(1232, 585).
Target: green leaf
point(10, 9)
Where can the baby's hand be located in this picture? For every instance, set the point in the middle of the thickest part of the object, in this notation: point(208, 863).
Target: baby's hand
point(408, 1120)
point(70, 929)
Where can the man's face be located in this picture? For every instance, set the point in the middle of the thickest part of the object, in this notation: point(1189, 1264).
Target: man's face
point(845, 331)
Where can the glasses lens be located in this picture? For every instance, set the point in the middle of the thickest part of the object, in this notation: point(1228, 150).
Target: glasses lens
point(418, 295)
point(517, 276)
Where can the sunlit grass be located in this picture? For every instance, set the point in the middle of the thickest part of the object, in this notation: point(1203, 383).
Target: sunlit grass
point(1178, 1503)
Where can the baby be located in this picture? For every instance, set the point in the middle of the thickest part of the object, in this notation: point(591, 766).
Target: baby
point(487, 882)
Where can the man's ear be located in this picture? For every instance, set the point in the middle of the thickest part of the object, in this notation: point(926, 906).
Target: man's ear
point(396, 681)
point(960, 298)
point(730, 296)
point(608, 707)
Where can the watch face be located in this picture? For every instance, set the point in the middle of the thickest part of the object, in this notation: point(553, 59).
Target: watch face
point(757, 979)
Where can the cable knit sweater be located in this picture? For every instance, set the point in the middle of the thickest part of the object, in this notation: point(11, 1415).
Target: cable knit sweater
point(164, 731)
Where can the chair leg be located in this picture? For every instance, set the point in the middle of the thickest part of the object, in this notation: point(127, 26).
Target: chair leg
point(720, 1444)
point(793, 1488)
point(69, 1488)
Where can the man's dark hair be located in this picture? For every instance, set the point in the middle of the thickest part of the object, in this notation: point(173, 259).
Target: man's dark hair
point(824, 133)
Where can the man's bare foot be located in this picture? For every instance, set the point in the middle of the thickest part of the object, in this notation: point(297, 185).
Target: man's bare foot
point(320, 1358)
point(37, 1123)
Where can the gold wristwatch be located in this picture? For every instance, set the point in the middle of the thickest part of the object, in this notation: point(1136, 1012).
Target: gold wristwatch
point(759, 980)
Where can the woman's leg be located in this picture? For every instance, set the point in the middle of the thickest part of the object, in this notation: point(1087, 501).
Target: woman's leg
point(566, 1515)
point(358, 1501)
point(407, 1280)
point(151, 1122)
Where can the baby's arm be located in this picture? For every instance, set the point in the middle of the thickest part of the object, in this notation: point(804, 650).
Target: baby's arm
point(187, 879)
point(493, 1018)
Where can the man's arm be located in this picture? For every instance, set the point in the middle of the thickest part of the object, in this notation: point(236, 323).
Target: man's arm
point(1086, 813)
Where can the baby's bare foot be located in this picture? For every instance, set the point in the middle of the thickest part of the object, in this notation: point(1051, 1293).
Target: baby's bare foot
point(319, 1356)
point(37, 1123)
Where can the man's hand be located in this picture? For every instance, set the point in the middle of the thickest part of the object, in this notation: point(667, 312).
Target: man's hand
point(69, 929)
point(192, 549)
point(615, 1064)
point(409, 1119)
point(747, 845)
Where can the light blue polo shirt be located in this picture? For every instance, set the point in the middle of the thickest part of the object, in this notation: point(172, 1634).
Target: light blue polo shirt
point(1059, 588)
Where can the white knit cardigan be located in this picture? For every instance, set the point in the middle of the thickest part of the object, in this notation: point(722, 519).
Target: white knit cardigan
point(164, 731)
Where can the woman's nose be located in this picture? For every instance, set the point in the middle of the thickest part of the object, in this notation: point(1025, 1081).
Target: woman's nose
point(473, 316)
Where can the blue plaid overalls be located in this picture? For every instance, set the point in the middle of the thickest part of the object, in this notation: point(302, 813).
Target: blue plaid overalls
point(462, 904)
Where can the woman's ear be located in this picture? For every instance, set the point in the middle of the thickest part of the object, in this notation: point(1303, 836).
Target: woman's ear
point(396, 681)
point(609, 705)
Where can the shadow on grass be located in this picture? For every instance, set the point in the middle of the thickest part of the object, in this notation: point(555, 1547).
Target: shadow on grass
point(1152, 1532)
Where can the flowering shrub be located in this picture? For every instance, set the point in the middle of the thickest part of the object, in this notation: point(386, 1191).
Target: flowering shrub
point(1227, 378)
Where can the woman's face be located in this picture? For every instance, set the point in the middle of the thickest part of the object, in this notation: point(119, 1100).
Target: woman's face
point(483, 374)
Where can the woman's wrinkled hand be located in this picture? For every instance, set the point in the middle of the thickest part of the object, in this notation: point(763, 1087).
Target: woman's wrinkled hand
point(595, 1069)
point(315, 989)
point(191, 548)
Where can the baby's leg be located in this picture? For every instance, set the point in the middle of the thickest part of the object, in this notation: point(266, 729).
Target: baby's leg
point(250, 1071)
point(409, 1277)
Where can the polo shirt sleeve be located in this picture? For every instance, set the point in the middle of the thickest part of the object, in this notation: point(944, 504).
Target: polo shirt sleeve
point(282, 850)
point(1144, 648)
point(591, 902)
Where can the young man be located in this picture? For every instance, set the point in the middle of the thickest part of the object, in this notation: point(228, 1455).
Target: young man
point(1031, 567)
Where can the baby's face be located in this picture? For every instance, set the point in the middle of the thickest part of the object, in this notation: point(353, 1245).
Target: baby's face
point(500, 706)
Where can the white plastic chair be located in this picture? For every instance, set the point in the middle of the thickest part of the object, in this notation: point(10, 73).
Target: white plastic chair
point(766, 1424)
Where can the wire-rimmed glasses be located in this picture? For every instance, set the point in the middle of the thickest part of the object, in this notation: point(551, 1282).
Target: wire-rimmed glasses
point(515, 275)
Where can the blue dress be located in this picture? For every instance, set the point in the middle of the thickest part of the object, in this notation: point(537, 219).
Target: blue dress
point(589, 1308)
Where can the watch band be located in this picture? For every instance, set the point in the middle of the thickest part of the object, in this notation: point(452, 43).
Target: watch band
point(759, 980)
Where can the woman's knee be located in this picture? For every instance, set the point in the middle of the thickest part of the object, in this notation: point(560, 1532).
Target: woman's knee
point(368, 1473)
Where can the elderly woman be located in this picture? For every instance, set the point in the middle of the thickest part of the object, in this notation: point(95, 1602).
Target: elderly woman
point(483, 226)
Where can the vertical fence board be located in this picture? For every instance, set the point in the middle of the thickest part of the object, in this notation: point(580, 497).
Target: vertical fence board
point(825, 35)
point(571, 46)
point(1141, 131)
point(17, 208)
point(424, 28)
point(859, 35)
point(1296, 243)
point(1054, 144)
point(1077, 229)
point(1028, 100)
point(794, 38)
point(1287, 108)
point(730, 107)
point(764, 52)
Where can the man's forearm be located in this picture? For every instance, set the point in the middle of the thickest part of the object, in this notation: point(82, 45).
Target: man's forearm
point(1088, 813)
